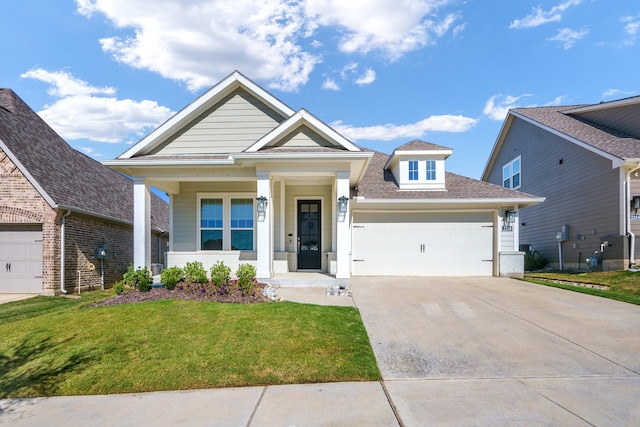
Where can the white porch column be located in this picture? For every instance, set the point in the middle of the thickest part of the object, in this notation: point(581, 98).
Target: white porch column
point(343, 228)
point(141, 224)
point(263, 228)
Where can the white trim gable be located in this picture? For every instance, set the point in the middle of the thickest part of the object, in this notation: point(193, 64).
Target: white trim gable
point(300, 118)
point(233, 81)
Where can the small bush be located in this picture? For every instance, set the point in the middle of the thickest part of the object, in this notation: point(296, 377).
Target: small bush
point(533, 261)
point(195, 272)
point(139, 279)
point(246, 274)
point(220, 275)
point(171, 276)
point(118, 287)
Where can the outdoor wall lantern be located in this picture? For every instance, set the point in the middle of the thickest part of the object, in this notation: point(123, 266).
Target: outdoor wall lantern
point(342, 204)
point(261, 206)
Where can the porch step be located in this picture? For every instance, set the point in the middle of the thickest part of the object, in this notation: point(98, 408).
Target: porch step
point(305, 280)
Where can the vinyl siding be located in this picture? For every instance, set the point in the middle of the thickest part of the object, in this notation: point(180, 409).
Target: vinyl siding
point(230, 126)
point(582, 192)
point(185, 209)
point(304, 138)
point(635, 223)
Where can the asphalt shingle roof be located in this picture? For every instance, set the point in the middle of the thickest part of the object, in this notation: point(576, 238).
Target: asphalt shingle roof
point(378, 183)
point(417, 145)
point(72, 179)
point(604, 138)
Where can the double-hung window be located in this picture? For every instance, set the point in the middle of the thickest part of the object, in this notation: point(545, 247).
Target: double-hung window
point(413, 170)
point(226, 223)
point(511, 174)
point(431, 170)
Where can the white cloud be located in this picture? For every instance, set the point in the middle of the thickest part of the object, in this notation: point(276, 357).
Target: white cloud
point(89, 151)
point(559, 100)
point(391, 27)
point(330, 84)
point(569, 37)
point(618, 93)
point(78, 113)
point(498, 106)
point(539, 17)
point(200, 41)
point(389, 131)
point(632, 24)
point(368, 77)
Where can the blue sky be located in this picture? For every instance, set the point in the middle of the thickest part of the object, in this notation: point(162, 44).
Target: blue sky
point(103, 73)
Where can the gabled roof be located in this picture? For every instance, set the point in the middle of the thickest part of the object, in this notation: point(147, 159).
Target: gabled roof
point(232, 82)
point(302, 118)
point(66, 178)
point(608, 129)
point(418, 147)
point(378, 183)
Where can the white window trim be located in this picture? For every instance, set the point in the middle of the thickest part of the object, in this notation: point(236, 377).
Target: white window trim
point(510, 165)
point(226, 219)
point(435, 170)
point(409, 170)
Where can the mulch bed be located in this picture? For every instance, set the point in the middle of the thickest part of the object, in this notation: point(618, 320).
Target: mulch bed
point(194, 292)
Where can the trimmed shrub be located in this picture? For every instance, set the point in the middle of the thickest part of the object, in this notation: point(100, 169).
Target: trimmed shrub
point(139, 279)
point(195, 272)
point(220, 275)
point(246, 275)
point(533, 261)
point(118, 287)
point(171, 276)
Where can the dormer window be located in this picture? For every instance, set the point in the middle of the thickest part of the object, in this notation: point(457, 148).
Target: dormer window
point(419, 166)
point(413, 170)
point(431, 170)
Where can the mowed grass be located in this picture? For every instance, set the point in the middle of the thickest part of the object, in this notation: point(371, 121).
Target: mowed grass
point(52, 346)
point(623, 285)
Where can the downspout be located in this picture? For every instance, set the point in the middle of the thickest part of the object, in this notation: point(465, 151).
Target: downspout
point(632, 237)
point(62, 260)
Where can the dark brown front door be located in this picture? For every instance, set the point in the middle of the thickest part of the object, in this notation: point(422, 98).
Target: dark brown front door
point(309, 251)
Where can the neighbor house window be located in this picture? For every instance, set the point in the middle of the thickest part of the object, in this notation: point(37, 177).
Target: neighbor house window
point(242, 224)
point(226, 223)
point(431, 170)
point(211, 224)
point(413, 170)
point(511, 174)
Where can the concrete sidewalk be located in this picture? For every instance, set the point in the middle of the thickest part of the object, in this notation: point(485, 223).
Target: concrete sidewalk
point(334, 404)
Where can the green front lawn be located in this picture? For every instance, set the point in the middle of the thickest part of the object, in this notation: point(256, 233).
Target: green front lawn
point(623, 285)
point(52, 346)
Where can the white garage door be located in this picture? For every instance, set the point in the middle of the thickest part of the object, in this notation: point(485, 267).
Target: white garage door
point(450, 244)
point(21, 259)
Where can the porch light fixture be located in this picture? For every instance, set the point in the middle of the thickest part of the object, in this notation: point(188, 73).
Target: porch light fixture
point(261, 206)
point(342, 204)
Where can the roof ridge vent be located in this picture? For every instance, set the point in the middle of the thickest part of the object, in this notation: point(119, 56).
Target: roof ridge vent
point(8, 100)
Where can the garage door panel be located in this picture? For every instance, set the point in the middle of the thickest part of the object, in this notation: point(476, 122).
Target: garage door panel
point(20, 259)
point(430, 247)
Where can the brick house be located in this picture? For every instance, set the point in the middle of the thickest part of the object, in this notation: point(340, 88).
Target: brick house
point(58, 207)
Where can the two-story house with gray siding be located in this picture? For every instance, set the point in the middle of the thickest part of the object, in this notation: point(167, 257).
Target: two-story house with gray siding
point(585, 160)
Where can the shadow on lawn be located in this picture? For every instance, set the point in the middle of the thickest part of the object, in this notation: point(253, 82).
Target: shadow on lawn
point(34, 367)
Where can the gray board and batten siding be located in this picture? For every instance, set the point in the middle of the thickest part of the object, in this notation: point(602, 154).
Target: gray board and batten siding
point(576, 183)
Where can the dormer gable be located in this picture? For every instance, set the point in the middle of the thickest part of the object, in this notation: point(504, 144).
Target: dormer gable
point(419, 165)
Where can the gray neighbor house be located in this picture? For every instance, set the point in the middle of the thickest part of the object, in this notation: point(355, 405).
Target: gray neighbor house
point(585, 160)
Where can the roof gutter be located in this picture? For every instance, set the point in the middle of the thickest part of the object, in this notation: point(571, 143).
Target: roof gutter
point(632, 237)
point(62, 258)
point(518, 201)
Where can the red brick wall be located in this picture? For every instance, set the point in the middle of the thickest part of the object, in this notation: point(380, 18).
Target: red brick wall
point(20, 203)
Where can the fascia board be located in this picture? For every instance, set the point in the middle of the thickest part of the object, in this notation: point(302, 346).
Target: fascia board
point(168, 163)
point(28, 175)
point(616, 161)
point(431, 153)
point(508, 201)
point(362, 155)
point(604, 106)
point(206, 100)
point(302, 117)
point(504, 129)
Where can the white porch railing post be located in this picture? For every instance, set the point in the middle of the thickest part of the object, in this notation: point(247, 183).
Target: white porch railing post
point(141, 224)
point(343, 228)
point(263, 228)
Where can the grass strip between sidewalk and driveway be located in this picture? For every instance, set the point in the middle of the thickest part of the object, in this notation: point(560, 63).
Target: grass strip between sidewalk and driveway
point(623, 285)
point(53, 346)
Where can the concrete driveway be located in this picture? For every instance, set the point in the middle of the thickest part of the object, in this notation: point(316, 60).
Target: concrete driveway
point(497, 351)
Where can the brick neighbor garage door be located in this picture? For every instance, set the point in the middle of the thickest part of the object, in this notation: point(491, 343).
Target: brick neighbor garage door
point(21, 259)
